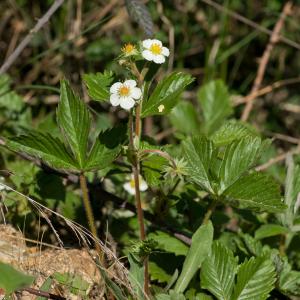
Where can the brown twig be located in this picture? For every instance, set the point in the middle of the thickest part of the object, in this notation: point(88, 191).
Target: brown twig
point(43, 294)
point(277, 159)
point(266, 90)
point(41, 22)
point(265, 59)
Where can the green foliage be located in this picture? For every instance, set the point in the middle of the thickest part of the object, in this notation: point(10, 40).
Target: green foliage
point(45, 147)
point(215, 103)
point(12, 280)
point(98, 85)
point(74, 120)
point(269, 230)
point(255, 279)
point(169, 243)
point(218, 272)
point(136, 275)
point(166, 93)
point(200, 248)
point(224, 172)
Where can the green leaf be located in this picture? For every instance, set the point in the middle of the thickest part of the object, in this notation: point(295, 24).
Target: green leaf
point(101, 156)
point(157, 273)
point(169, 243)
point(292, 192)
point(255, 279)
point(12, 280)
point(117, 292)
point(289, 280)
point(74, 120)
point(218, 272)
point(258, 191)
point(166, 93)
point(200, 248)
point(184, 118)
point(9, 99)
point(45, 147)
point(239, 157)
point(98, 85)
point(269, 230)
point(75, 283)
point(198, 152)
point(46, 287)
point(215, 103)
point(136, 275)
point(231, 131)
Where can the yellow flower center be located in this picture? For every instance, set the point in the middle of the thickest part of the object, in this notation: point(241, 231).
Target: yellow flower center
point(156, 49)
point(128, 49)
point(124, 91)
point(132, 184)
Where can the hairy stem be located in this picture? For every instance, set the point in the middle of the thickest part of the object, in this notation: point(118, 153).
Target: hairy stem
point(282, 244)
point(89, 213)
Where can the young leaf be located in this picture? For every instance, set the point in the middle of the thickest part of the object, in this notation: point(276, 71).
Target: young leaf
point(239, 156)
point(166, 94)
point(200, 248)
point(218, 272)
point(269, 230)
point(215, 103)
point(74, 120)
point(98, 85)
point(289, 280)
point(257, 191)
point(198, 151)
point(255, 279)
point(45, 147)
point(12, 280)
point(169, 243)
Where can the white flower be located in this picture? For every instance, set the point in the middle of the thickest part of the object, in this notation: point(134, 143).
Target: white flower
point(154, 51)
point(124, 94)
point(161, 108)
point(130, 185)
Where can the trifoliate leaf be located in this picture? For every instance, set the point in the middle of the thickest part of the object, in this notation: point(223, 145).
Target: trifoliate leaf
point(166, 94)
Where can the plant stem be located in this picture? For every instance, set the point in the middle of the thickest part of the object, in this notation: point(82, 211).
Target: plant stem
point(209, 212)
point(282, 244)
point(89, 213)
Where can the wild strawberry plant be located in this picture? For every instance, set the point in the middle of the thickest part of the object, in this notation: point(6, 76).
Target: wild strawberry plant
point(186, 192)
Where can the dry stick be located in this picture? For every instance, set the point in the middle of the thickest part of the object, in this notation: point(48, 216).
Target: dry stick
point(89, 214)
point(43, 294)
point(277, 159)
point(41, 22)
point(267, 89)
point(250, 23)
point(264, 60)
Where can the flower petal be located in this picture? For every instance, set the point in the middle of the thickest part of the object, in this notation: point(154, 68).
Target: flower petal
point(130, 83)
point(128, 188)
point(127, 103)
point(115, 87)
point(157, 42)
point(165, 51)
point(114, 99)
point(159, 59)
point(136, 93)
point(143, 185)
point(147, 43)
point(148, 55)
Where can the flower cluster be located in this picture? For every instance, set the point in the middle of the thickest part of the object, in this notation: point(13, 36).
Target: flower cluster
point(127, 93)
